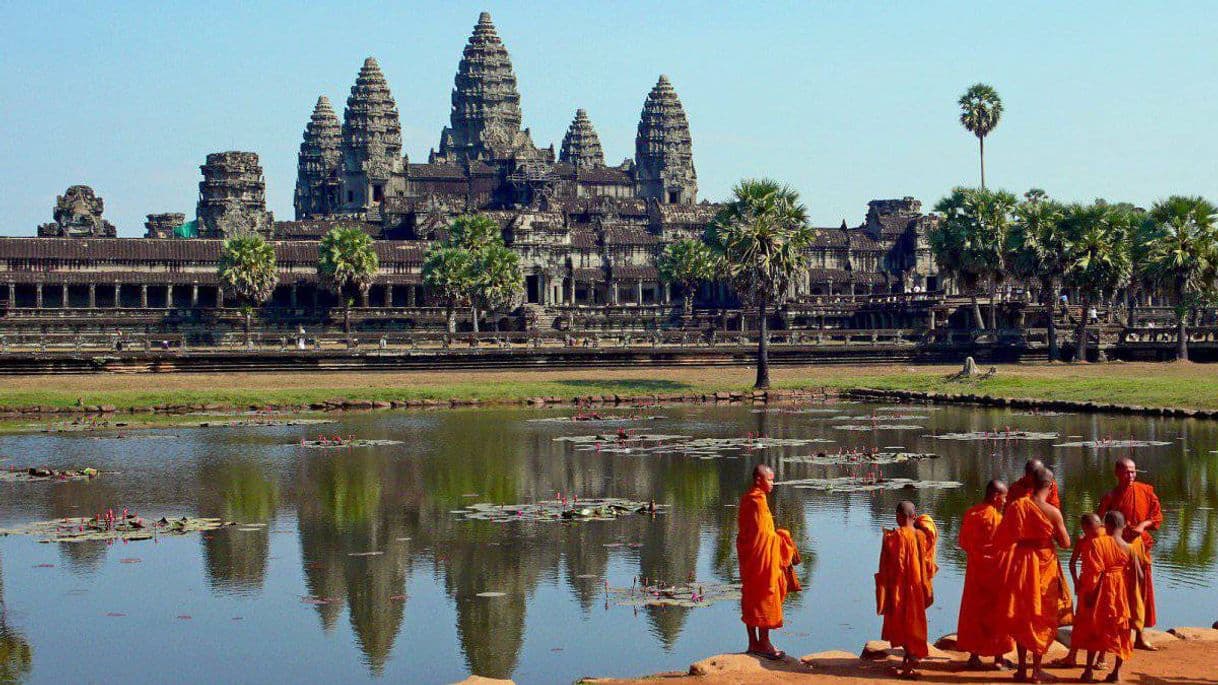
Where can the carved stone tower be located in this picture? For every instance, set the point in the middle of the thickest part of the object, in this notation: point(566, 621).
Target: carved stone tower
point(581, 147)
point(663, 150)
point(232, 196)
point(78, 214)
point(371, 145)
point(485, 119)
point(318, 168)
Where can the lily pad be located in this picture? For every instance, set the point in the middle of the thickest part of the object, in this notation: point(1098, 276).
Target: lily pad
point(1113, 444)
point(43, 474)
point(823, 459)
point(996, 435)
point(877, 427)
point(341, 444)
point(133, 528)
point(560, 511)
point(688, 595)
point(862, 484)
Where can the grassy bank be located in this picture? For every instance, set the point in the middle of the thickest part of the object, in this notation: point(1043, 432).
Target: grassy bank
point(1173, 385)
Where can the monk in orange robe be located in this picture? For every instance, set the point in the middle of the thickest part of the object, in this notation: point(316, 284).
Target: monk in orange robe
point(1092, 528)
point(1104, 598)
point(766, 559)
point(1033, 591)
point(904, 585)
point(1139, 504)
point(977, 631)
point(1026, 485)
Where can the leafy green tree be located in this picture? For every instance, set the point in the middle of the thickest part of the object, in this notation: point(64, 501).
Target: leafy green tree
point(474, 232)
point(248, 273)
point(688, 263)
point(760, 238)
point(970, 241)
point(347, 264)
point(1036, 253)
point(1097, 258)
point(498, 281)
point(448, 273)
point(980, 111)
point(1179, 253)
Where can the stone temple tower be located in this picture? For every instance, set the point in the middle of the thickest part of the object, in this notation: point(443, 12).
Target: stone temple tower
point(371, 145)
point(581, 147)
point(663, 150)
point(485, 119)
point(319, 166)
point(232, 196)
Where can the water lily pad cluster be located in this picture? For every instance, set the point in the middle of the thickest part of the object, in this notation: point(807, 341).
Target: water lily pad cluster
point(343, 443)
point(131, 527)
point(1113, 444)
point(1045, 413)
point(688, 595)
point(877, 426)
point(42, 474)
point(573, 510)
point(599, 418)
point(701, 448)
point(867, 484)
point(797, 410)
point(262, 423)
point(997, 435)
point(851, 458)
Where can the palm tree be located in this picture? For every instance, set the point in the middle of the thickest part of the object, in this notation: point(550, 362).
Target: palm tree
point(687, 263)
point(760, 238)
point(980, 111)
point(347, 263)
point(1036, 254)
point(1180, 255)
point(969, 242)
point(474, 232)
point(448, 273)
point(1096, 256)
point(499, 281)
point(247, 271)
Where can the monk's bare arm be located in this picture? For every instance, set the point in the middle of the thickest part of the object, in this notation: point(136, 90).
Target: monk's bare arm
point(1074, 563)
point(1059, 529)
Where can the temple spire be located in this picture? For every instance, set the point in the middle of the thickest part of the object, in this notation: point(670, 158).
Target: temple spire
point(664, 150)
point(319, 163)
point(485, 121)
point(581, 147)
point(371, 141)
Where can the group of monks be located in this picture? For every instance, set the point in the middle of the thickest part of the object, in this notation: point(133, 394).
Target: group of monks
point(1015, 593)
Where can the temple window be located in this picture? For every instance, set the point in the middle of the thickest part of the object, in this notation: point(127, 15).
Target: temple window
point(378, 193)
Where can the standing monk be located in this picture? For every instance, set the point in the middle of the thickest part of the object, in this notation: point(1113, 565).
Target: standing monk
point(978, 631)
point(1034, 593)
point(1103, 597)
point(1024, 487)
point(1139, 504)
point(766, 560)
point(904, 585)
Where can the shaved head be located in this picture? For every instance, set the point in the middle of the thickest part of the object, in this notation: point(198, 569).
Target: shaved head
point(763, 477)
point(1089, 519)
point(761, 470)
point(1044, 479)
point(1114, 519)
point(1126, 471)
point(907, 509)
point(995, 487)
point(1033, 465)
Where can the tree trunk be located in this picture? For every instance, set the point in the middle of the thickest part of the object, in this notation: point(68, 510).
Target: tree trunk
point(981, 141)
point(689, 303)
point(1055, 353)
point(763, 347)
point(993, 306)
point(451, 319)
point(248, 313)
point(1080, 342)
point(347, 321)
point(1130, 300)
point(473, 315)
point(977, 318)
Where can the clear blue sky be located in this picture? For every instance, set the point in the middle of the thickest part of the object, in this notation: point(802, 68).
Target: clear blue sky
point(845, 101)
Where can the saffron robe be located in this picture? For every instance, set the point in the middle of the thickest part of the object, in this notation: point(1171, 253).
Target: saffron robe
point(978, 630)
point(1103, 599)
point(1034, 600)
point(904, 585)
point(1026, 486)
point(766, 556)
point(1138, 503)
point(1082, 619)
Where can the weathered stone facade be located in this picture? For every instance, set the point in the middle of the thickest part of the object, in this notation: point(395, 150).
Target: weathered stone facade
point(232, 196)
point(78, 214)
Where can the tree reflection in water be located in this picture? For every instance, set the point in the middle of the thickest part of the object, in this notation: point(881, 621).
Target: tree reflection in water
point(16, 655)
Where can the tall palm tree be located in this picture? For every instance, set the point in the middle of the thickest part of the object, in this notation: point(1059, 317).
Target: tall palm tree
point(969, 242)
point(448, 274)
point(1096, 256)
point(688, 263)
point(347, 263)
point(247, 271)
point(760, 238)
point(499, 281)
point(980, 111)
point(1036, 250)
point(1180, 254)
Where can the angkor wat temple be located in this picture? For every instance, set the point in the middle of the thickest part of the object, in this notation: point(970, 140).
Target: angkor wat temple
point(588, 232)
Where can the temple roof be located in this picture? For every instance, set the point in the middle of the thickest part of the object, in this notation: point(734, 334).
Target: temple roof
point(371, 122)
point(581, 147)
point(663, 139)
point(319, 150)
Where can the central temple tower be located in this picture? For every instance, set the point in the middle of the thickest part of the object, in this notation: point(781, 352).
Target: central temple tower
point(371, 145)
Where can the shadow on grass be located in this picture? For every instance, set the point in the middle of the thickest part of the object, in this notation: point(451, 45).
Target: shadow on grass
point(628, 384)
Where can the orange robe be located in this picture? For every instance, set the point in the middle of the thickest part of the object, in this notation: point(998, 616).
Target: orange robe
point(1082, 619)
point(1137, 589)
point(1026, 486)
point(766, 557)
point(1138, 503)
point(904, 585)
point(978, 630)
point(1103, 598)
point(1034, 600)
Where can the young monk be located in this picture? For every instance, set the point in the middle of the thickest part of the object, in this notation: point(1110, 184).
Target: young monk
point(1024, 487)
point(1092, 528)
point(1139, 504)
point(1104, 598)
point(1033, 590)
point(977, 630)
point(904, 585)
point(766, 560)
